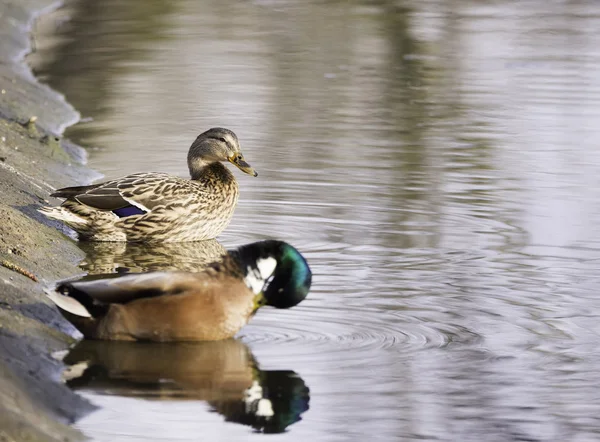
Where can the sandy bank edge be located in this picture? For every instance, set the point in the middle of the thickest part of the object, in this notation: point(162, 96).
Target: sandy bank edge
point(34, 405)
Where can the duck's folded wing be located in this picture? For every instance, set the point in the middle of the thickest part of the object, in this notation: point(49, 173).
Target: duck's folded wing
point(104, 196)
point(128, 288)
point(142, 190)
point(92, 299)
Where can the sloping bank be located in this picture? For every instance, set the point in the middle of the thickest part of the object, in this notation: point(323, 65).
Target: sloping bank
point(34, 405)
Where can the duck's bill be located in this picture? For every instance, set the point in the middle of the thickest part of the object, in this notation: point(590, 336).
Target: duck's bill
point(243, 166)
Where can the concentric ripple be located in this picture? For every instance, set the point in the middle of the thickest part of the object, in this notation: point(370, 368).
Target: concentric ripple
point(357, 333)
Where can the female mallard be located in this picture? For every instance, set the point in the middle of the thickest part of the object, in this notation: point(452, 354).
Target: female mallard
point(157, 206)
point(178, 306)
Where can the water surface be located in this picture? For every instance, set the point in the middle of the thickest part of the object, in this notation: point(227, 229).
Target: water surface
point(436, 162)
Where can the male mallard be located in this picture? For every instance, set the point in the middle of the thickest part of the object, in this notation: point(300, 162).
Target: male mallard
point(157, 206)
point(178, 306)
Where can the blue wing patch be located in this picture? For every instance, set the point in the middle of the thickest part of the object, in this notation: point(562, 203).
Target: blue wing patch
point(128, 211)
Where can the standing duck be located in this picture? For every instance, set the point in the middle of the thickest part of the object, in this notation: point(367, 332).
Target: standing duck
point(177, 306)
point(150, 206)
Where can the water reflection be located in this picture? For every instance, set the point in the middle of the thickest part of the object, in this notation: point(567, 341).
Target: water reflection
point(437, 164)
point(121, 257)
point(116, 33)
point(225, 374)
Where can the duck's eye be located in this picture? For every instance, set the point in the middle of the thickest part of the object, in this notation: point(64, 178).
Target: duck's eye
point(222, 139)
point(239, 158)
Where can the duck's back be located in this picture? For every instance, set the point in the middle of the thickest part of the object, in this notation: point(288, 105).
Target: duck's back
point(193, 210)
point(212, 309)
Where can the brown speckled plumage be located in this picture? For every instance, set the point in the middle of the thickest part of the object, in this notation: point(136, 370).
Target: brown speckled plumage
point(167, 208)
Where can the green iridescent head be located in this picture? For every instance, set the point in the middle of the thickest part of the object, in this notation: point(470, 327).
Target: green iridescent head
point(278, 270)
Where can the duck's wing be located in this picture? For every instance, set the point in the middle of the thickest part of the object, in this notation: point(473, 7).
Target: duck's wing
point(91, 298)
point(134, 194)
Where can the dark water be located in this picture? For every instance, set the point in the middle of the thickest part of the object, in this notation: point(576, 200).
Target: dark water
point(438, 164)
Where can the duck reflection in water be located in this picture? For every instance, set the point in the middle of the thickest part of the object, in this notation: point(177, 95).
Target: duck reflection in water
point(225, 374)
point(122, 257)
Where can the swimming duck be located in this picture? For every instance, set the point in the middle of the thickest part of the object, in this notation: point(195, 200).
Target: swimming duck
point(160, 207)
point(178, 306)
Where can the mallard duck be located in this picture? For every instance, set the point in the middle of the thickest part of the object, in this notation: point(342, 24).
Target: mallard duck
point(157, 206)
point(179, 306)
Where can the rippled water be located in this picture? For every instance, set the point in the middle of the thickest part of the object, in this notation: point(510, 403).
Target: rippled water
point(436, 162)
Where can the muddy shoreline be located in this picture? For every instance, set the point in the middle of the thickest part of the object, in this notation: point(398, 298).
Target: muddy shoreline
point(34, 252)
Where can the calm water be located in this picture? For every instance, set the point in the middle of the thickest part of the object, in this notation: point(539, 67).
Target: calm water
point(436, 161)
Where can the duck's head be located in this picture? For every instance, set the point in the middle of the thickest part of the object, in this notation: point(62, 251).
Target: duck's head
point(215, 145)
point(277, 270)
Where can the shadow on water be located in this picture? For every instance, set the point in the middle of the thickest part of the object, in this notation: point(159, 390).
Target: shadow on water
point(224, 374)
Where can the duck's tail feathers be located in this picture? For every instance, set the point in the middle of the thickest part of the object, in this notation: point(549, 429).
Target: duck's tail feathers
point(67, 303)
point(61, 214)
point(78, 309)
